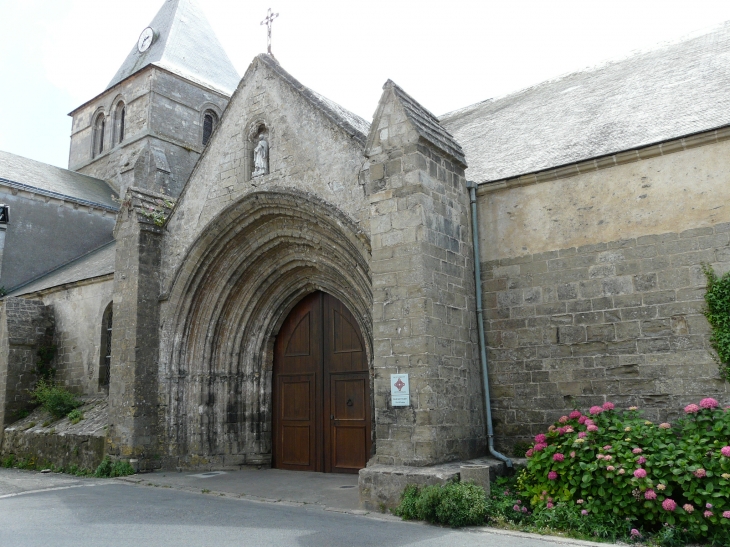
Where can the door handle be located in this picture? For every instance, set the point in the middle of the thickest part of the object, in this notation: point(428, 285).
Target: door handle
point(332, 416)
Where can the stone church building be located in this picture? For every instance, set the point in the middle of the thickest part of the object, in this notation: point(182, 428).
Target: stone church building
point(258, 276)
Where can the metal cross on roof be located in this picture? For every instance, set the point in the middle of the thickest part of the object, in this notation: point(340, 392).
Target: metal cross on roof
point(268, 21)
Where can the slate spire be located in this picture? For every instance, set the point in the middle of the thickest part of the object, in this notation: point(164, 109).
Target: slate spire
point(186, 45)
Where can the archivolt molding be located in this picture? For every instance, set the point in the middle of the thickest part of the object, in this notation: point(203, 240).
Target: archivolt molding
point(234, 289)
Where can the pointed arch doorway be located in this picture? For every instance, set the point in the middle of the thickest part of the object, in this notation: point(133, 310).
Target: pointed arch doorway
point(321, 389)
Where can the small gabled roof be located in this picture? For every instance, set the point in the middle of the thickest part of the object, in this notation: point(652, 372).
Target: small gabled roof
point(27, 174)
point(669, 92)
point(96, 263)
point(185, 45)
point(427, 125)
point(351, 123)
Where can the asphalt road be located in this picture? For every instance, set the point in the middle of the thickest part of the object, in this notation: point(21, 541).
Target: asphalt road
point(92, 512)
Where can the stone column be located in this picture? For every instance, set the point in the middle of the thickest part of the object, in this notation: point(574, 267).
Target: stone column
point(424, 317)
point(133, 382)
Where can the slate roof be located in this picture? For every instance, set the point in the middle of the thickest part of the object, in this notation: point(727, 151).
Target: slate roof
point(186, 46)
point(351, 123)
point(428, 126)
point(674, 90)
point(93, 264)
point(27, 174)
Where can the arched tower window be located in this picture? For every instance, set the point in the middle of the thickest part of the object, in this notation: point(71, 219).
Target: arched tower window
point(99, 128)
point(210, 121)
point(119, 114)
point(105, 348)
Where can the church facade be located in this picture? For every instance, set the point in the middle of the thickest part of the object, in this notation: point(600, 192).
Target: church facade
point(278, 264)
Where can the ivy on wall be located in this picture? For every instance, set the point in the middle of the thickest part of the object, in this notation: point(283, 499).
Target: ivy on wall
point(718, 315)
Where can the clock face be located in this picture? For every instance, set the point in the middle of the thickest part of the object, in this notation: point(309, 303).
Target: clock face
point(145, 39)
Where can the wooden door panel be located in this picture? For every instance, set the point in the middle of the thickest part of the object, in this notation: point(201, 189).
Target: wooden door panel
point(321, 389)
point(348, 450)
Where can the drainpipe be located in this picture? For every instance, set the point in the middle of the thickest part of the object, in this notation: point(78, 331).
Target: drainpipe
point(480, 323)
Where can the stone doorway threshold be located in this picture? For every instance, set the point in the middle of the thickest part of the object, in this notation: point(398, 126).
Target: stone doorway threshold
point(333, 491)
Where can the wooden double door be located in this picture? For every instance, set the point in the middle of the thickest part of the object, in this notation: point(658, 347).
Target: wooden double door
point(321, 390)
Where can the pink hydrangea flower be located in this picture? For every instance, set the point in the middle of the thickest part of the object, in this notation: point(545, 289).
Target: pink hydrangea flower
point(599, 456)
point(558, 457)
point(708, 514)
point(579, 502)
point(665, 425)
point(572, 454)
point(551, 428)
point(637, 451)
point(516, 507)
point(596, 410)
point(563, 419)
point(640, 473)
point(608, 457)
point(691, 409)
point(589, 421)
point(569, 429)
point(582, 435)
point(709, 402)
point(552, 475)
point(621, 471)
point(550, 505)
point(561, 431)
point(585, 512)
point(529, 453)
point(608, 406)
point(700, 473)
point(592, 427)
point(726, 514)
point(641, 460)
point(582, 420)
point(635, 533)
point(610, 468)
point(575, 415)
point(650, 494)
point(524, 509)
point(725, 451)
point(539, 446)
point(541, 438)
point(669, 504)
point(708, 506)
point(688, 507)
point(607, 447)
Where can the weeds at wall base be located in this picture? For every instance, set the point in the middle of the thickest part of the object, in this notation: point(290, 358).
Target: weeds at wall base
point(106, 469)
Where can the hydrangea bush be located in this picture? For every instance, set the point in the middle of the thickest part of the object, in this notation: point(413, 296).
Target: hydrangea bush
point(653, 475)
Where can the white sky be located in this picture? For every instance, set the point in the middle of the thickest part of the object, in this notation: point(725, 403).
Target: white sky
point(57, 54)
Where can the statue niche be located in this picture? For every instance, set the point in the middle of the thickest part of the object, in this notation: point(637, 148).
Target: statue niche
point(261, 157)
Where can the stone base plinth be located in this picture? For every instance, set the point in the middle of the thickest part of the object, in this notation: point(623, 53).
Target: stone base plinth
point(382, 485)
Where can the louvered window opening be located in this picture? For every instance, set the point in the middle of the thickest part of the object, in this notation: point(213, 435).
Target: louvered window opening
point(207, 128)
point(101, 136)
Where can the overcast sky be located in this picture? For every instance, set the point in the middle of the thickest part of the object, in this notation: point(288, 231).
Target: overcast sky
point(57, 54)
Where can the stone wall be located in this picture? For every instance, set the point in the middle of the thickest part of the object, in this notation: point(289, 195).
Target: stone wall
point(78, 314)
point(25, 326)
point(619, 321)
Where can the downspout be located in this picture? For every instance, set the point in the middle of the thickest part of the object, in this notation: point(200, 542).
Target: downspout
point(480, 323)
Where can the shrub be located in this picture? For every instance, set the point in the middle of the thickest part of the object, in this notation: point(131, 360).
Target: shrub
point(54, 398)
point(119, 468)
point(455, 504)
point(75, 416)
point(718, 315)
point(616, 463)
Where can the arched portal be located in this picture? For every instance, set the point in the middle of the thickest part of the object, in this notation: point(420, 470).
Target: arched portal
point(229, 299)
point(321, 389)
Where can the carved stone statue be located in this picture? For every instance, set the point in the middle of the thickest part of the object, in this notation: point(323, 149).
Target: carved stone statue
point(261, 158)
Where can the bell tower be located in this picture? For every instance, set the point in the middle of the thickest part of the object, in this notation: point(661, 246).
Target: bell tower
point(150, 125)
